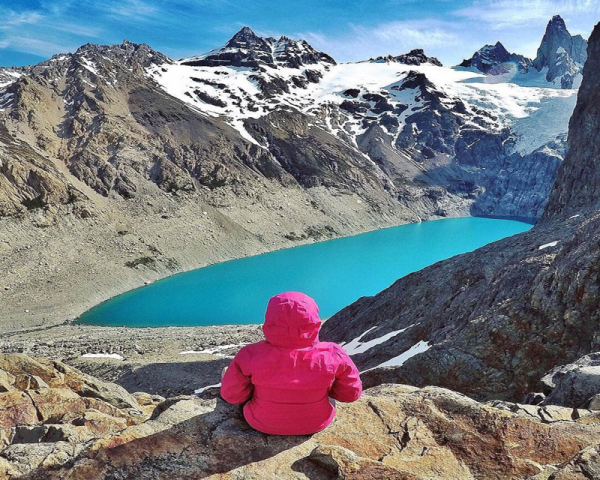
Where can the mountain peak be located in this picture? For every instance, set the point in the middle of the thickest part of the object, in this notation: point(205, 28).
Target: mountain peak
point(246, 39)
point(557, 21)
point(414, 57)
point(560, 52)
point(490, 59)
point(246, 49)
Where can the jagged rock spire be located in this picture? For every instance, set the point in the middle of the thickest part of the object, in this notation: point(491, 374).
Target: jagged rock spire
point(562, 53)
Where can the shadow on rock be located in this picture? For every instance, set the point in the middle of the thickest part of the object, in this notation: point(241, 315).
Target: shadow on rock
point(186, 438)
point(166, 379)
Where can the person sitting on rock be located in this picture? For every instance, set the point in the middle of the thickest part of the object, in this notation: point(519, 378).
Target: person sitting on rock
point(290, 378)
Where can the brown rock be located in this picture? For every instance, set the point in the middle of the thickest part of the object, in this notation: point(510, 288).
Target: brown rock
point(100, 424)
point(347, 465)
point(16, 408)
point(55, 405)
point(584, 466)
point(29, 382)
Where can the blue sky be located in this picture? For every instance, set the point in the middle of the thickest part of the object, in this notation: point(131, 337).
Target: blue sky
point(349, 30)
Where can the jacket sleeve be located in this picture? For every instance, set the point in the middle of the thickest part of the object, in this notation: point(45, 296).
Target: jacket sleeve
point(236, 386)
point(347, 386)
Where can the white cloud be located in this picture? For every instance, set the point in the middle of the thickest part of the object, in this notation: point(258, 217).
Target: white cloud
point(34, 46)
point(12, 19)
point(500, 14)
point(409, 33)
point(361, 42)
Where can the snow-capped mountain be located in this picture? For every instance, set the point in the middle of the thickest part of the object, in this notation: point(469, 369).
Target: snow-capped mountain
point(459, 128)
point(438, 141)
point(496, 60)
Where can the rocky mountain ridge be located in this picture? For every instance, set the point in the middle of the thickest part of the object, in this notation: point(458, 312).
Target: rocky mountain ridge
point(494, 60)
point(414, 57)
point(246, 49)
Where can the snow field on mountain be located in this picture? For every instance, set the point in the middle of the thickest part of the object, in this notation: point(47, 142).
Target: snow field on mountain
point(536, 114)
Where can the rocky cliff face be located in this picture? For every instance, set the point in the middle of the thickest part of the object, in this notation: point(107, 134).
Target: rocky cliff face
point(392, 432)
point(491, 323)
point(578, 184)
point(561, 53)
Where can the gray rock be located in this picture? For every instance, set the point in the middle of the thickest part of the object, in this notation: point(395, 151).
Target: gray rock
point(575, 384)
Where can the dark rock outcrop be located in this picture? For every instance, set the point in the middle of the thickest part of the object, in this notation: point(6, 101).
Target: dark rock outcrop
point(414, 57)
point(574, 385)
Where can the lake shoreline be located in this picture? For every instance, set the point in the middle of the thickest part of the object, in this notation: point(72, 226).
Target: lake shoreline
point(236, 292)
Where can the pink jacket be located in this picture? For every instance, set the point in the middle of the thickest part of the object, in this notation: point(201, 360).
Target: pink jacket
point(288, 377)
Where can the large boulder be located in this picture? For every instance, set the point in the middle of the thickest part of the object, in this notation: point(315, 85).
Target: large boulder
point(575, 384)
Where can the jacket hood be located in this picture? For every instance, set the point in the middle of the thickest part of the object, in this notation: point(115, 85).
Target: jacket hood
point(292, 320)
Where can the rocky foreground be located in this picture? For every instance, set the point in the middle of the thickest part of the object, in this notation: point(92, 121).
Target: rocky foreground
point(58, 423)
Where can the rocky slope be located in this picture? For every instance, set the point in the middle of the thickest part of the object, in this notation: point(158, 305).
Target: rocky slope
point(391, 432)
point(492, 322)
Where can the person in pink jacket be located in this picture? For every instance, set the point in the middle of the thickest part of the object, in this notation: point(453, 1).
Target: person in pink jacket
point(289, 378)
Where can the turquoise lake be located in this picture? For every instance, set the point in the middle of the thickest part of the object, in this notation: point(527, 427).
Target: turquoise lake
point(335, 273)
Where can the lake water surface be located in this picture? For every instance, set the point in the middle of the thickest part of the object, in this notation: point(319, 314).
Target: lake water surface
point(335, 273)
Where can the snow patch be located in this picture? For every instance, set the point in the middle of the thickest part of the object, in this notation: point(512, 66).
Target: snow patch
point(88, 65)
point(356, 346)
point(103, 355)
point(403, 357)
point(214, 350)
point(200, 390)
point(547, 245)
